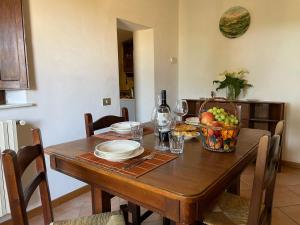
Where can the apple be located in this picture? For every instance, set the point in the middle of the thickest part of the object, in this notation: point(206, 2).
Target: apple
point(207, 117)
point(216, 124)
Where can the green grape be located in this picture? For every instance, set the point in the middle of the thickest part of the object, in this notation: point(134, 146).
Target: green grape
point(222, 110)
point(222, 117)
point(210, 110)
point(214, 108)
point(218, 111)
point(232, 120)
point(236, 122)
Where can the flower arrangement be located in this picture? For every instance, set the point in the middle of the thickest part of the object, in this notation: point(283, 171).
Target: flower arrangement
point(234, 82)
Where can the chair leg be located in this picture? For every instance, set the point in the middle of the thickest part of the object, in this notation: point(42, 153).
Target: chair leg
point(100, 200)
point(134, 213)
point(234, 188)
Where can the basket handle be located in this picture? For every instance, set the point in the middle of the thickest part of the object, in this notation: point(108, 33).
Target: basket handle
point(220, 99)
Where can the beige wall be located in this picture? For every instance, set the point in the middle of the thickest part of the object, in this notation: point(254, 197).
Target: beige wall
point(270, 50)
point(75, 64)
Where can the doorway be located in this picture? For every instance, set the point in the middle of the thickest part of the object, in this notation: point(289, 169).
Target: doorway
point(136, 69)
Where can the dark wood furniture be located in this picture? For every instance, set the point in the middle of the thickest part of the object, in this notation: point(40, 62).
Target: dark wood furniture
point(14, 165)
point(104, 122)
point(13, 62)
point(237, 210)
point(254, 114)
point(128, 57)
point(279, 130)
point(179, 190)
point(100, 198)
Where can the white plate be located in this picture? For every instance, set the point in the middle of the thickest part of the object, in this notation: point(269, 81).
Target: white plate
point(126, 126)
point(192, 121)
point(120, 159)
point(118, 147)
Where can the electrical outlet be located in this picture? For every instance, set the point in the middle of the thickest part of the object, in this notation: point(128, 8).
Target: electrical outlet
point(106, 101)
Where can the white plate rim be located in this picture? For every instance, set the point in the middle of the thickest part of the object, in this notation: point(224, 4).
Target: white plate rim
point(113, 126)
point(137, 145)
point(135, 154)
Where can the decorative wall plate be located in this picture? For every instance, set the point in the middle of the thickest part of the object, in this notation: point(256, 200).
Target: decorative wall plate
point(235, 22)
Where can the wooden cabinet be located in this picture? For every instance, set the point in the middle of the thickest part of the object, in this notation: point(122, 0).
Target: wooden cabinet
point(128, 57)
point(254, 114)
point(13, 63)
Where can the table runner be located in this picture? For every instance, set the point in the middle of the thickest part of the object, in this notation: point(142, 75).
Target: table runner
point(111, 135)
point(159, 159)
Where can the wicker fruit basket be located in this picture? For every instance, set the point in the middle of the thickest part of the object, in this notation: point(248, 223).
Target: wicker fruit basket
point(219, 126)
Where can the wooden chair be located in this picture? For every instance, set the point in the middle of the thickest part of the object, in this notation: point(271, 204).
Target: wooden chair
point(279, 131)
point(104, 122)
point(14, 165)
point(232, 209)
point(90, 128)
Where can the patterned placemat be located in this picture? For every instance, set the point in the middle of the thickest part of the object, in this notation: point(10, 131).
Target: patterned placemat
point(159, 159)
point(111, 135)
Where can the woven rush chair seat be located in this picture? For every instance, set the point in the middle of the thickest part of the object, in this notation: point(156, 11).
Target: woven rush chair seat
point(230, 209)
point(109, 218)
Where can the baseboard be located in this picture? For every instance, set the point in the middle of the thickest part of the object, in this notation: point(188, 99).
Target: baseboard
point(56, 202)
point(290, 164)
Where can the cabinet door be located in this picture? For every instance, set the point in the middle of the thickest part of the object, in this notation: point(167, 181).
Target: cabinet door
point(13, 64)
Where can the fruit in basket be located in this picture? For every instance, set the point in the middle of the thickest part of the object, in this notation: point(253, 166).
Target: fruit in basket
point(215, 114)
point(207, 117)
point(220, 130)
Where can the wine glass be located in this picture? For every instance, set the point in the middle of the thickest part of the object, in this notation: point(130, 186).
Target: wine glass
point(162, 119)
point(181, 108)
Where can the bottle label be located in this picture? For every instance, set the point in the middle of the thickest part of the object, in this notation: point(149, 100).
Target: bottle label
point(163, 122)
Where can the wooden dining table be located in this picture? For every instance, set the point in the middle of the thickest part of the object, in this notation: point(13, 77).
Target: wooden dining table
point(180, 190)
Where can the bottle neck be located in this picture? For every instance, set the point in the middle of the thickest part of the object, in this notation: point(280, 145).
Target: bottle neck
point(164, 102)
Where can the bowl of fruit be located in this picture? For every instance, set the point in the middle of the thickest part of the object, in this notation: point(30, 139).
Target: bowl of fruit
point(219, 125)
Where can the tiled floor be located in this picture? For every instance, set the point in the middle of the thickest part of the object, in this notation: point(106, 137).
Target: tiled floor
point(286, 200)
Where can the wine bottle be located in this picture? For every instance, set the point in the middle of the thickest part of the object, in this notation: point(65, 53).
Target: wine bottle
point(163, 96)
point(164, 114)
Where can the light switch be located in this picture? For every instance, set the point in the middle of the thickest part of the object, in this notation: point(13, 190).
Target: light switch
point(106, 101)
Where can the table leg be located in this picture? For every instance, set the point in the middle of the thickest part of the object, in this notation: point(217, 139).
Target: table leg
point(100, 200)
point(235, 186)
point(134, 213)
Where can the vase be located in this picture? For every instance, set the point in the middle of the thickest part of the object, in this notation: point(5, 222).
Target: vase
point(230, 93)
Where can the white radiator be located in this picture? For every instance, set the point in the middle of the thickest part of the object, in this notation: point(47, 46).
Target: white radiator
point(8, 140)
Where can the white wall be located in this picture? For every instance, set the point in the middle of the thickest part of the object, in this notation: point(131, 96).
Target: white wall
point(75, 64)
point(270, 50)
point(144, 73)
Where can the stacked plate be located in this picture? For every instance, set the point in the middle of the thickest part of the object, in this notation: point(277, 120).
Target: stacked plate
point(118, 150)
point(123, 127)
point(192, 121)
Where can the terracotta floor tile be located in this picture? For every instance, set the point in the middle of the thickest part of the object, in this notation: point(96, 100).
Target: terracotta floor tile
point(295, 188)
point(286, 197)
point(279, 218)
point(293, 212)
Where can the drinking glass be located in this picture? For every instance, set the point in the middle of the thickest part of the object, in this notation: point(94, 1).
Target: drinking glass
point(181, 108)
point(176, 143)
point(137, 132)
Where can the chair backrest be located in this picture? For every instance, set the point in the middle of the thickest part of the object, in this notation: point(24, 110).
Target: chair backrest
point(103, 122)
point(264, 181)
point(14, 165)
point(279, 128)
